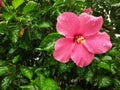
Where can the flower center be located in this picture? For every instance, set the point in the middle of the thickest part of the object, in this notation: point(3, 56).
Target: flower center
point(79, 39)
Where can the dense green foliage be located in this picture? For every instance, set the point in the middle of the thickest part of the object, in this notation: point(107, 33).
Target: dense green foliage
point(27, 37)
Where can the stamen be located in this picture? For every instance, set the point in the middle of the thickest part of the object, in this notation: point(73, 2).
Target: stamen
point(79, 39)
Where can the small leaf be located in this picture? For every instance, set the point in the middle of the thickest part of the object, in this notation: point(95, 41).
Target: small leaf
point(2, 27)
point(14, 34)
point(17, 3)
point(8, 16)
point(6, 82)
point(36, 34)
point(116, 5)
point(39, 80)
point(113, 68)
point(12, 50)
point(26, 72)
point(49, 84)
point(46, 73)
point(25, 41)
point(3, 70)
point(89, 76)
point(65, 67)
point(114, 52)
point(104, 66)
point(48, 42)
point(58, 2)
point(2, 63)
point(107, 58)
point(44, 25)
point(15, 59)
point(30, 6)
point(29, 87)
point(105, 82)
point(116, 83)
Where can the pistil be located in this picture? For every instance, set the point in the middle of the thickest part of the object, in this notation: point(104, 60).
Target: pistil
point(79, 39)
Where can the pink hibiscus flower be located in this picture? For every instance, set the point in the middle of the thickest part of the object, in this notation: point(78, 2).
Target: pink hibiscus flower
point(87, 10)
point(82, 38)
point(1, 3)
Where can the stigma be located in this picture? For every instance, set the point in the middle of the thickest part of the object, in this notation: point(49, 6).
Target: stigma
point(79, 39)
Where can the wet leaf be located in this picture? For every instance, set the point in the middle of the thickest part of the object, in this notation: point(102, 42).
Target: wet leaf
point(105, 81)
point(65, 67)
point(14, 34)
point(107, 58)
point(3, 70)
point(30, 6)
point(26, 72)
point(6, 82)
point(16, 59)
point(50, 84)
point(89, 76)
point(48, 42)
point(104, 66)
point(17, 3)
point(116, 83)
point(29, 87)
point(39, 80)
point(44, 25)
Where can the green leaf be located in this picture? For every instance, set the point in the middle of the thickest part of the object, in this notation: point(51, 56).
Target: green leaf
point(105, 81)
point(65, 67)
point(6, 82)
point(116, 5)
point(104, 66)
point(14, 34)
point(30, 6)
point(17, 3)
point(15, 59)
point(114, 52)
point(49, 84)
point(89, 76)
point(25, 41)
point(109, 67)
point(36, 34)
point(3, 70)
point(29, 87)
point(8, 16)
point(58, 2)
point(45, 83)
point(107, 58)
point(2, 63)
point(113, 68)
point(116, 83)
point(49, 41)
point(12, 50)
point(2, 27)
point(44, 25)
point(39, 80)
point(26, 72)
point(46, 73)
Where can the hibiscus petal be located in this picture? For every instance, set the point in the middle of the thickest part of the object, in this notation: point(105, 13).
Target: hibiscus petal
point(88, 10)
point(63, 49)
point(89, 24)
point(1, 3)
point(99, 43)
point(68, 24)
point(81, 56)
